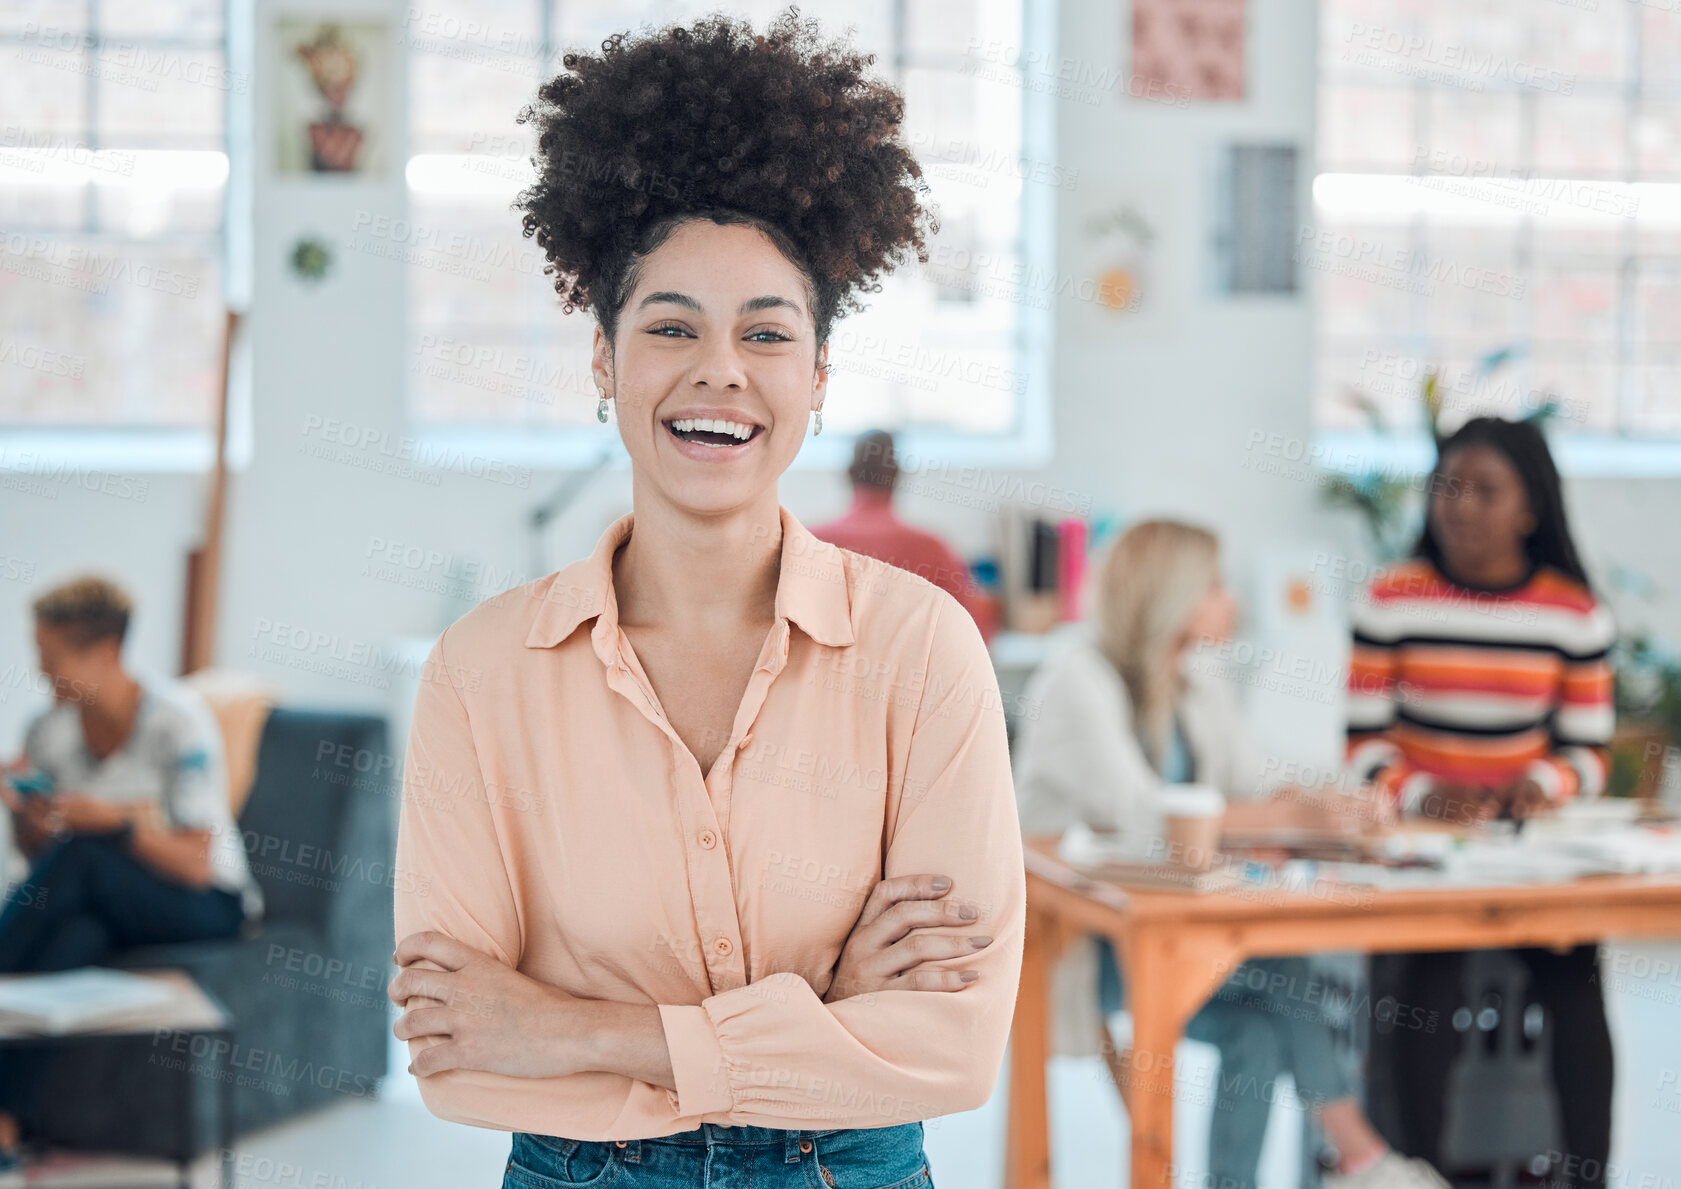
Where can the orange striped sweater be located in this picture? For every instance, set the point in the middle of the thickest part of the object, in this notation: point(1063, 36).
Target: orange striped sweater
point(1479, 687)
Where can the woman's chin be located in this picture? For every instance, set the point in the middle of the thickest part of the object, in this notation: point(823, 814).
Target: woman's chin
point(710, 495)
point(699, 487)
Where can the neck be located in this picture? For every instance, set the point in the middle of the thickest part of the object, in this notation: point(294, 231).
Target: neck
point(1494, 569)
point(699, 572)
point(1173, 672)
point(113, 701)
point(868, 496)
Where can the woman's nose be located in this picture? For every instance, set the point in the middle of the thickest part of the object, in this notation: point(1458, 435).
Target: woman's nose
point(717, 366)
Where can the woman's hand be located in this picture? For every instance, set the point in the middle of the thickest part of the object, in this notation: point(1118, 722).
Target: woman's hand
point(1463, 804)
point(1524, 798)
point(487, 1016)
point(883, 954)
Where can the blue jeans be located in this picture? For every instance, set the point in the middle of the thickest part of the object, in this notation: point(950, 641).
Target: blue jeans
point(1270, 1016)
point(86, 896)
point(719, 1157)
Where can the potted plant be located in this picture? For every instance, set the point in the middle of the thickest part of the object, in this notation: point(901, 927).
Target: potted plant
point(1648, 702)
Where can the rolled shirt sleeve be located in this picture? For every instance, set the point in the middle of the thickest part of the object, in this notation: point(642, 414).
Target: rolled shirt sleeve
point(773, 1054)
point(449, 877)
point(196, 772)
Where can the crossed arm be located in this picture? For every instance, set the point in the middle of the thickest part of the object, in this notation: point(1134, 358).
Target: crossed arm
point(515, 1054)
point(490, 1017)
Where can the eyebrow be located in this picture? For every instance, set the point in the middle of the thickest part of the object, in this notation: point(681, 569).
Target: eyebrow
point(769, 301)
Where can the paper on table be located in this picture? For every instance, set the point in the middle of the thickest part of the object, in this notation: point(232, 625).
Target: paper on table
point(1136, 863)
point(1083, 846)
point(65, 1001)
point(1628, 851)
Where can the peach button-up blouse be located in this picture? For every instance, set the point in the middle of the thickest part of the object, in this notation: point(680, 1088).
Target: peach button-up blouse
point(553, 818)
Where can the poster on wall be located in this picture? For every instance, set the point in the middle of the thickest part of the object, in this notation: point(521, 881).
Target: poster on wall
point(1188, 48)
point(333, 109)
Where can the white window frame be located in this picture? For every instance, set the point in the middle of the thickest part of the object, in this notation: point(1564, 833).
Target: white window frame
point(140, 449)
point(1587, 454)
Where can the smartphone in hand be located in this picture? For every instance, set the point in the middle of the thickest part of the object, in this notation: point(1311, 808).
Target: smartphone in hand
point(30, 782)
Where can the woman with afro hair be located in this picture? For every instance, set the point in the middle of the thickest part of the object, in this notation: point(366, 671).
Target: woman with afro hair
point(708, 869)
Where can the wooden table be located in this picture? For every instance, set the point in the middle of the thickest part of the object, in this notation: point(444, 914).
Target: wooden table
point(1178, 947)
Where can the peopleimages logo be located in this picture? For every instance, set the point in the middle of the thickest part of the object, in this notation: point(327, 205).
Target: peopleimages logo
point(51, 363)
point(127, 63)
point(1399, 265)
point(88, 266)
point(1368, 45)
point(1456, 173)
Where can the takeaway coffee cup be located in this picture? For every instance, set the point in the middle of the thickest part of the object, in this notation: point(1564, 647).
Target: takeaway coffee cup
point(1192, 814)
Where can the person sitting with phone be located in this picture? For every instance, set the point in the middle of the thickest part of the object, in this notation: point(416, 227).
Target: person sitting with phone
point(120, 804)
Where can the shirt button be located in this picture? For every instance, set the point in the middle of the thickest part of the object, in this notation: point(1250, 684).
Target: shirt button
point(723, 946)
point(708, 838)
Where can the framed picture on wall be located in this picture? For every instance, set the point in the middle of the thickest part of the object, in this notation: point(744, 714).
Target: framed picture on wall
point(1187, 49)
point(334, 111)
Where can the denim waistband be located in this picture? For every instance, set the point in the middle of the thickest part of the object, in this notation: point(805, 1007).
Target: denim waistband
point(703, 1141)
point(719, 1133)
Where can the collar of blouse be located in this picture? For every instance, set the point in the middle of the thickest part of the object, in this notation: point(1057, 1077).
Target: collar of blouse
point(811, 591)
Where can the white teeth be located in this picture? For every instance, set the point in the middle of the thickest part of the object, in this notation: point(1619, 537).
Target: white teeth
point(713, 425)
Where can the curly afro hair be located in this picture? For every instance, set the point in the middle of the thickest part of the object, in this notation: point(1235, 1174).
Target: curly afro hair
point(781, 130)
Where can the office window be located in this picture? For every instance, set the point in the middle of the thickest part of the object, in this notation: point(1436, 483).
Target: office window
point(113, 163)
point(1499, 196)
point(941, 346)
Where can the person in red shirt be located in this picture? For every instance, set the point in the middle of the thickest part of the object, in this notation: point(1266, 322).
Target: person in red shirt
point(870, 527)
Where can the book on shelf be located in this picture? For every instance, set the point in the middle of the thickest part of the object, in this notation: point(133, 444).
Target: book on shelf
point(1042, 566)
point(1044, 555)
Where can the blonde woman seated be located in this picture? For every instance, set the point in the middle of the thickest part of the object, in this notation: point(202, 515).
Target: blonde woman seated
point(1123, 712)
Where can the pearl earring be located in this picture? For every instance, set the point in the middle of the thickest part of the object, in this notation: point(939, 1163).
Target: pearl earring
point(819, 428)
point(601, 411)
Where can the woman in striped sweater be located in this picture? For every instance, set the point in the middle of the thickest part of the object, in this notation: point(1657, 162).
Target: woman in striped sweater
point(1480, 686)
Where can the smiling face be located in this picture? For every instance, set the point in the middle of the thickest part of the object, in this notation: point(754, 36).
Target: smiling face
point(715, 367)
